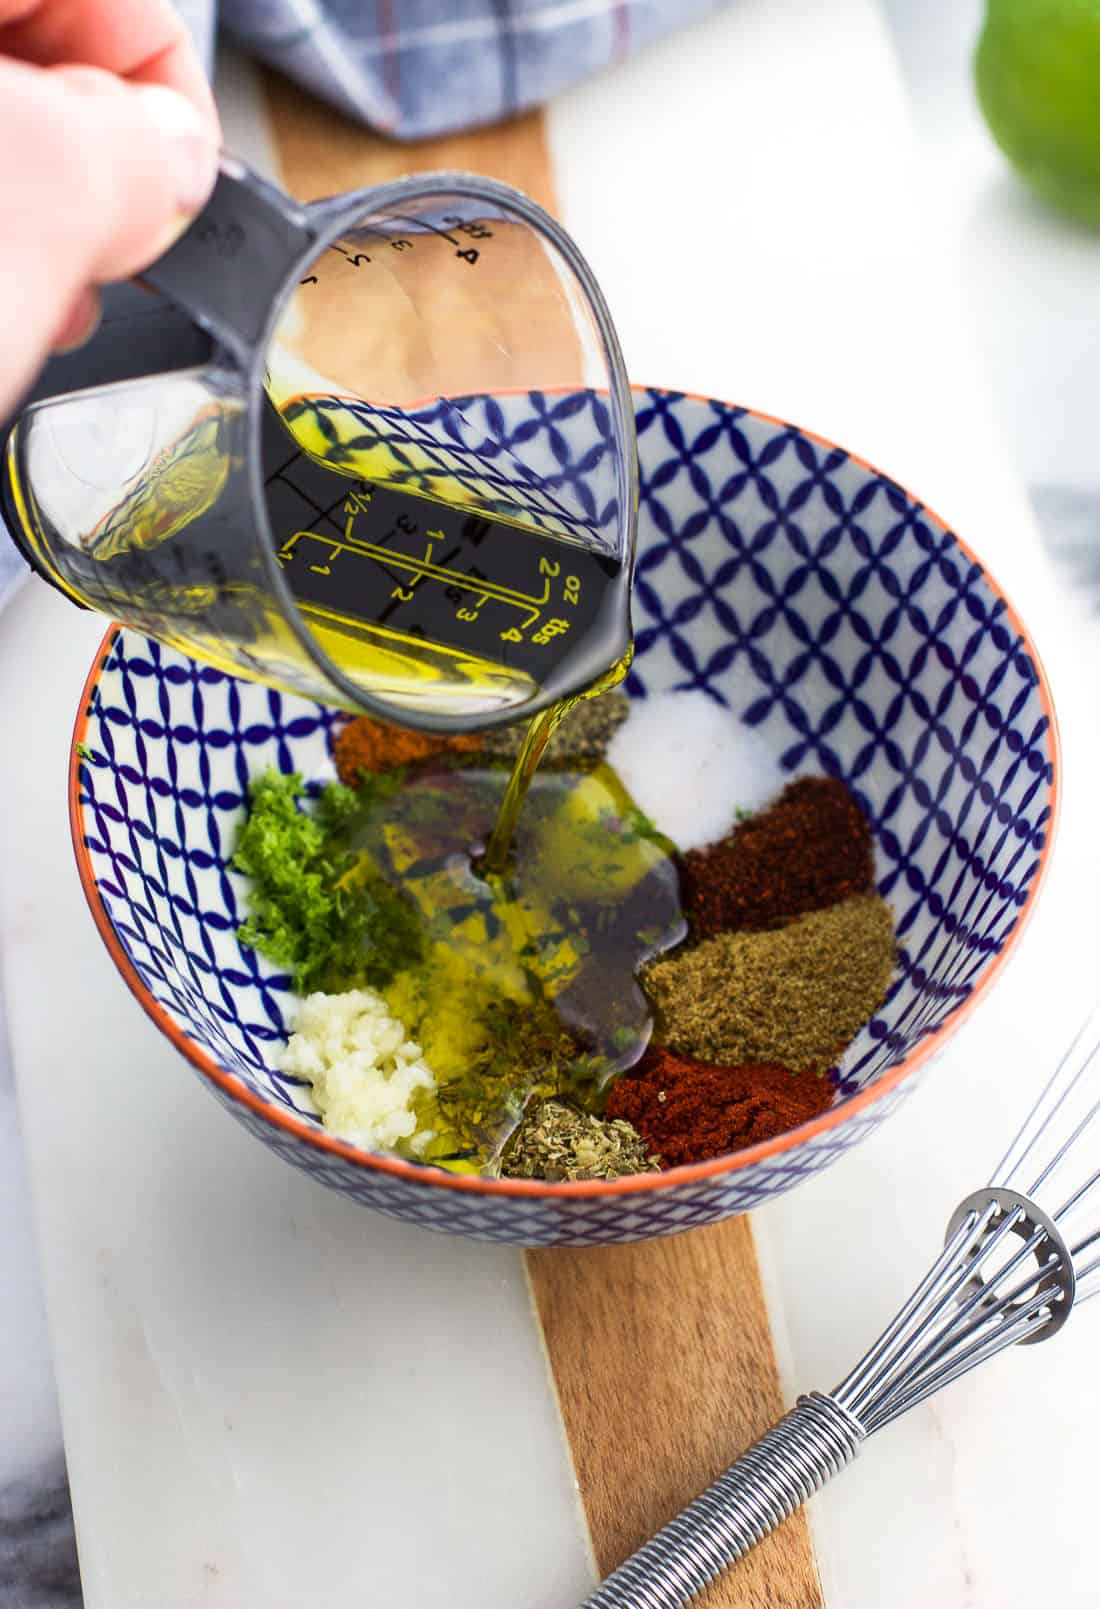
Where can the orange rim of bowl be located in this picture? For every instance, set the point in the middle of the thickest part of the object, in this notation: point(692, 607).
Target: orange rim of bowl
point(690, 1173)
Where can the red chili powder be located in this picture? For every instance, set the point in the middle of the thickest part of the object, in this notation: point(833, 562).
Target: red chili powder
point(690, 1111)
point(810, 849)
point(369, 745)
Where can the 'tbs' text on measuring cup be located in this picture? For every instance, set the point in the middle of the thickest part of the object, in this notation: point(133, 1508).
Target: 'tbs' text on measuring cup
point(378, 450)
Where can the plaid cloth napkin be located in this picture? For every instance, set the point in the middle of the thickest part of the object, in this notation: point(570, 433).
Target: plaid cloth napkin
point(417, 67)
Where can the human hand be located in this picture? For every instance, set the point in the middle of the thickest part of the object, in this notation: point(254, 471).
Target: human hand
point(108, 145)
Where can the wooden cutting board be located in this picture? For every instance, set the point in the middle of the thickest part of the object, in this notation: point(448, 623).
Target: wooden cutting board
point(661, 1353)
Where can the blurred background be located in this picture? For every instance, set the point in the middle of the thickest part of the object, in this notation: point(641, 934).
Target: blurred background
point(1029, 270)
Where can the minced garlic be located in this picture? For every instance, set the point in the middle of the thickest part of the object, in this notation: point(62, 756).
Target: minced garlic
point(363, 1068)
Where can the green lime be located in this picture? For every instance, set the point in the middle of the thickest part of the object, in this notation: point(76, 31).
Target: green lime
point(1037, 70)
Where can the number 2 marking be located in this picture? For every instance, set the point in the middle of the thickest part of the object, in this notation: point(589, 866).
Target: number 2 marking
point(549, 567)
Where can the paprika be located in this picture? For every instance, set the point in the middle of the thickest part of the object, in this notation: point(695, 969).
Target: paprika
point(368, 745)
point(691, 1111)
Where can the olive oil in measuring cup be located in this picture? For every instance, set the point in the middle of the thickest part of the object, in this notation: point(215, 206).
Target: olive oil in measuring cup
point(377, 450)
point(416, 594)
point(430, 600)
point(478, 563)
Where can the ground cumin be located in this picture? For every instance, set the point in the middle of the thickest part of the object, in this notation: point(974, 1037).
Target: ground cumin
point(811, 848)
point(369, 745)
point(690, 1111)
point(796, 996)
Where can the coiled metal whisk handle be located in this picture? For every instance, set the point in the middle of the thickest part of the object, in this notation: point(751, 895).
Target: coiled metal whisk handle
point(778, 1474)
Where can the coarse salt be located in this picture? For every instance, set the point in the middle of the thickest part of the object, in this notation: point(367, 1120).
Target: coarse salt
point(691, 766)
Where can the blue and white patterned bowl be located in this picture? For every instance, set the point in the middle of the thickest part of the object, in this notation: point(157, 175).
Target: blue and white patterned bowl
point(794, 583)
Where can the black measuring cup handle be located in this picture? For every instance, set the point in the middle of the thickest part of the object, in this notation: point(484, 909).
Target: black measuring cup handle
point(230, 267)
point(214, 286)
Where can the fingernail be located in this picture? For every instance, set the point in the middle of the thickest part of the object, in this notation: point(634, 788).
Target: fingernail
point(194, 153)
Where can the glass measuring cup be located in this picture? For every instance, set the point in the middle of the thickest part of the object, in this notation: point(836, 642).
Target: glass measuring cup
point(377, 449)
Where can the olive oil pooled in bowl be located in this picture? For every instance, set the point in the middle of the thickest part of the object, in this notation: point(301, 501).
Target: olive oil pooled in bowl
point(453, 1013)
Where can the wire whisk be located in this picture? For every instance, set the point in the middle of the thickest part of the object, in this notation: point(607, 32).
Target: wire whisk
point(1018, 1256)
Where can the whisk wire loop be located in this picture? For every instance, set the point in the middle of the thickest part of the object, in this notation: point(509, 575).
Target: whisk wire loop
point(1029, 1320)
point(1056, 1092)
point(986, 1308)
point(858, 1381)
point(934, 1296)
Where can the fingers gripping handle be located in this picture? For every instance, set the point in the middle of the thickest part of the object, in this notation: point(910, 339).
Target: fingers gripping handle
point(237, 256)
point(778, 1474)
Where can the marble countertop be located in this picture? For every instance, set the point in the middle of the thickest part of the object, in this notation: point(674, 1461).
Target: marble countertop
point(808, 216)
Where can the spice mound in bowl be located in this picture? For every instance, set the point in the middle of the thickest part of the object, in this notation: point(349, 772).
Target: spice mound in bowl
point(609, 1005)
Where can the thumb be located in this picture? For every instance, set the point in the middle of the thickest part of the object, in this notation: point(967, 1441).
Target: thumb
point(99, 175)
